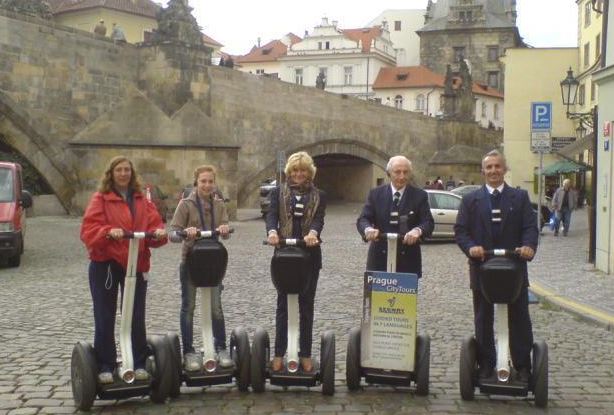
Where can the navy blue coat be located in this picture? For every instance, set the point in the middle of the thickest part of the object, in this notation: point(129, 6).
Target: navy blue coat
point(376, 214)
point(473, 224)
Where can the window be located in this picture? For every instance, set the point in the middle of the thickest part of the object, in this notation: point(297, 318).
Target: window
point(397, 25)
point(593, 91)
point(483, 110)
point(587, 13)
point(587, 52)
point(597, 46)
point(493, 53)
point(459, 53)
point(495, 111)
point(581, 94)
point(493, 79)
point(298, 76)
point(259, 71)
point(420, 104)
point(347, 75)
point(398, 102)
point(443, 201)
point(327, 45)
point(319, 45)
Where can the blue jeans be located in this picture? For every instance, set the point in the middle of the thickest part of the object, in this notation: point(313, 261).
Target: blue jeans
point(105, 280)
point(564, 215)
point(186, 316)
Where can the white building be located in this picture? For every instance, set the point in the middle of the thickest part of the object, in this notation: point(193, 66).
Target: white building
point(402, 25)
point(264, 60)
point(418, 89)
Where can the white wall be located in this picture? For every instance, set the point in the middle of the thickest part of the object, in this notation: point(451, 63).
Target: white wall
point(406, 41)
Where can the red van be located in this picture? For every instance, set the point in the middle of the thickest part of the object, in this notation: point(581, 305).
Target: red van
point(13, 204)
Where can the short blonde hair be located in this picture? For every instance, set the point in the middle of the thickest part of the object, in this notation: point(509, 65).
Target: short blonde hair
point(301, 160)
point(202, 169)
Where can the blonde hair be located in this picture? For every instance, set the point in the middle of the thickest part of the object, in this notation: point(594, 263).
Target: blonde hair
point(301, 160)
point(106, 181)
point(202, 169)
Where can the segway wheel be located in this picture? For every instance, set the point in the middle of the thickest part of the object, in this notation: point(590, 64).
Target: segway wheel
point(539, 377)
point(327, 362)
point(423, 361)
point(352, 360)
point(467, 368)
point(162, 376)
point(259, 359)
point(239, 351)
point(83, 372)
point(172, 341)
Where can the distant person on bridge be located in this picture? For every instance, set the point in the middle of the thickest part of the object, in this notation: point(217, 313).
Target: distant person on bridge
point(100, 29)
point(297, 210)
point(564, 201)
point(397, 207)
point(117, 206)
point(117, 34)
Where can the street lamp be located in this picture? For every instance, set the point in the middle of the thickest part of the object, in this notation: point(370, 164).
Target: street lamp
point(580, 132)
point(569, 92)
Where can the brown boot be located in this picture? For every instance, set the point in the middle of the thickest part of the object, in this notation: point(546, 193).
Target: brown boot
point(306, 364)
point(278, 364)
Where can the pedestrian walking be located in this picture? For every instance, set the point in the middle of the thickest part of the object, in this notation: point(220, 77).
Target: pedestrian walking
point(564, 201)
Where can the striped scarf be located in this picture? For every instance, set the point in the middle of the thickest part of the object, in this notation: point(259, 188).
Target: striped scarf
point(312, 195)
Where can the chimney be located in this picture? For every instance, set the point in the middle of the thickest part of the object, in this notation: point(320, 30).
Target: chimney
point(258, 41)
point(306, 33)
point(324, 21)
point(335, 23)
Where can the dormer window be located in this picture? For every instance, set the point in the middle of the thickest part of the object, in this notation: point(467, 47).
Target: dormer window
point(266, 51)
point(402, 76)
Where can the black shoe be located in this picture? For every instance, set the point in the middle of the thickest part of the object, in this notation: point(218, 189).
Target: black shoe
point(523, 374)
point(485, 372)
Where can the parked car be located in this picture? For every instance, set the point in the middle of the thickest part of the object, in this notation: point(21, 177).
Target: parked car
point(444, 208)
point(13, 204)
point(465, 189)
point(265, 190)
point(159, 199)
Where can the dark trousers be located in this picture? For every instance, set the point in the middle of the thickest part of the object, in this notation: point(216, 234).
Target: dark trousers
point(306, 302)
point(520, 330)
point(105, 280)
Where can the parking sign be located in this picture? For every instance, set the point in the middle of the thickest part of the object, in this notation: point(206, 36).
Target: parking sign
point(541, 116)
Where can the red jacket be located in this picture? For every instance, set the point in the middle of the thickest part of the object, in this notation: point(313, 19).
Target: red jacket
point(109, 210)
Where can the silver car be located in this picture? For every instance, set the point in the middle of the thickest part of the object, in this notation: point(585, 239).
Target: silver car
point(444, 208)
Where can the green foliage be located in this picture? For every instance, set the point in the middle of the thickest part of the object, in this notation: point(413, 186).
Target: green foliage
point(38, 8)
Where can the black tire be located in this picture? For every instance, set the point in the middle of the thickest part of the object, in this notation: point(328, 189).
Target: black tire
point(539, 377)
point(162, 377)
point(468, 368)
point(327, 362)
point(353, 372)
point(259, 359)
point(83, 375)
point(239, 351)
point(172, 341)
point(15, 260)
point(422, 366)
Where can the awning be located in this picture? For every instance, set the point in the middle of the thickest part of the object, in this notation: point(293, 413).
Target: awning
point(562, 167)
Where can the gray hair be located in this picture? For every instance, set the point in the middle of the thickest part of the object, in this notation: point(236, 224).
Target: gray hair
point(494, 153)
point(394, 159)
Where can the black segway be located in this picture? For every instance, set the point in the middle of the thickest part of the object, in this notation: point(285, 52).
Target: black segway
point(501, 281)
point(207, 267)
point(84, 369)
point(385, 349)
point(290, 272)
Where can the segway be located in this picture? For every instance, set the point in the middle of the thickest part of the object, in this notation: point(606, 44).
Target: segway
point(501, 280)
point(206, 266)
point(290, 267)
point(84, 368)
point(385, 349)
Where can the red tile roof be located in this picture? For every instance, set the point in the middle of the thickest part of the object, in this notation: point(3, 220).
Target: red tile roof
point(366, 35)
point(145, 8)
point(269, 52)
point(210, 41)
point(422, 77)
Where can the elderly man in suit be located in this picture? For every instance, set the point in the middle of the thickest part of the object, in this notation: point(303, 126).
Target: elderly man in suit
point(498, 216)
point(397, 207)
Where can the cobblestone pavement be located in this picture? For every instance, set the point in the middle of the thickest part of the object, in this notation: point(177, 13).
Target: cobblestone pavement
point(45, 308)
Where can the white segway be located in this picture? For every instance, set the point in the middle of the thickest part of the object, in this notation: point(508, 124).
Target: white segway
point(84, 369)
point(386, 349)
point(206, 267)
point(290, 272)
point(501, 281)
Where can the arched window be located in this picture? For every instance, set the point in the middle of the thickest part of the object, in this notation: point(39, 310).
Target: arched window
point(420, 102)
point(398, 102)
point(483, 109)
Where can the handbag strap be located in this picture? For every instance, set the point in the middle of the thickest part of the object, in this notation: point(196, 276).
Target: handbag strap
point(202, 215)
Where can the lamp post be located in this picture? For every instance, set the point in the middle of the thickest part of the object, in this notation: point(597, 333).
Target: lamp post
point(587, 121)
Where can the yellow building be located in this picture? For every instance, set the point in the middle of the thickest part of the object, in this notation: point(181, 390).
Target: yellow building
point(136, 18)
point(533, 75)
point(589, 53)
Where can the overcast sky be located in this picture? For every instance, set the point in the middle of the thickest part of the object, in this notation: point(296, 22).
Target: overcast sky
point(238, 24)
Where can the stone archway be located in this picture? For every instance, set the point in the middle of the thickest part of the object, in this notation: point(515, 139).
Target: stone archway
point(18, 132)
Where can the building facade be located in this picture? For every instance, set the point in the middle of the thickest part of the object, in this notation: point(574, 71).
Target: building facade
point(264, 60)
point(479, 31)
point(402, 25)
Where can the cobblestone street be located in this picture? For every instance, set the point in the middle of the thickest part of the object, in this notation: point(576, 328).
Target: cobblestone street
point(46, 308)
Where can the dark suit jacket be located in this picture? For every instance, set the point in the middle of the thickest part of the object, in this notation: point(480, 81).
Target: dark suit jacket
point(376, 214)
point(473, 224)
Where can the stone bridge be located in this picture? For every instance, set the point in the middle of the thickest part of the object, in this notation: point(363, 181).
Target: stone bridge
point(69, 101)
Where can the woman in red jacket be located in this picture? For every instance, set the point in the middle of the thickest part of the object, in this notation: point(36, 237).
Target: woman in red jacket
point(118, 206)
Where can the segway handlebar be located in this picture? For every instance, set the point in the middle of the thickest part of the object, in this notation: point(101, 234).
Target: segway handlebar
point(289, 242)
point(387, 235)
point(204, 234)
point(139, 235)
point(509, 253)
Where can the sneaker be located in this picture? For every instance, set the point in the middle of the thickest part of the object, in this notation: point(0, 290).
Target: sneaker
point(223, 357)
point(105, 378)
point(278, 364)
point(141, 374)
point(306, 364)
point(193, 362)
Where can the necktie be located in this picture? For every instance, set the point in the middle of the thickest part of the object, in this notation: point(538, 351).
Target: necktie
point(396, 199)
point(496, 193)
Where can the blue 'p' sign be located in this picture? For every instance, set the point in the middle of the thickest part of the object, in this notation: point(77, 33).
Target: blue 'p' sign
point(541, 115)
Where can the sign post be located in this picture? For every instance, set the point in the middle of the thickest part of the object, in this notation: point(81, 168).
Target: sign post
point(541, 142)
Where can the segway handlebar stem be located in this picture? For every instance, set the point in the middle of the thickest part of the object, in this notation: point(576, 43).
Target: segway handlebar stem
point(289, 242)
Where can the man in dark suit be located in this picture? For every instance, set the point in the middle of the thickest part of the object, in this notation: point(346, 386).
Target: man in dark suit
point(400, 208)
point(498, 216)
